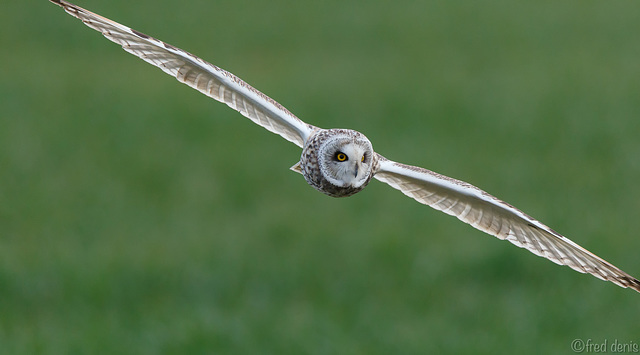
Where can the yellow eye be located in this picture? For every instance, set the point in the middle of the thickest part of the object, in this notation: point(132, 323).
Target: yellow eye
point(362, 159)
point(341, 156)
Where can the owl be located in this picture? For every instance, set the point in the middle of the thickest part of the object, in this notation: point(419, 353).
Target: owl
point(341, 162)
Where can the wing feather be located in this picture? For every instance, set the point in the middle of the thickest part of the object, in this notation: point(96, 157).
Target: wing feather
point(498, 218)
point(205, 77)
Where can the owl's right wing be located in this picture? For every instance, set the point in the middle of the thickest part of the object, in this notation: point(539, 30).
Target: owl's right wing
point(207, 78)
point(496, 217)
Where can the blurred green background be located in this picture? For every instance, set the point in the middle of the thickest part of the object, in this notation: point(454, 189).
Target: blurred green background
point(137, 216)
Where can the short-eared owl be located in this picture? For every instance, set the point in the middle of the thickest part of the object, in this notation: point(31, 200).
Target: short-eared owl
point(341, 162)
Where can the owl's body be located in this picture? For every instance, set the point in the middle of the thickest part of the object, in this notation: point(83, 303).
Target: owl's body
point(337, 162)
point(341, 162)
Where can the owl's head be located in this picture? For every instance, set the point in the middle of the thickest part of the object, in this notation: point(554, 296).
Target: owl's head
point(344, 161)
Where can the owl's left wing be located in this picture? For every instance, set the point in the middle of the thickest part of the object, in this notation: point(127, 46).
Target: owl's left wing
point(205, 77)
point(498, 218)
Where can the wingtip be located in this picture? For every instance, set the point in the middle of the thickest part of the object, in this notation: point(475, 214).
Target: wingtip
point(634, 284)
point(625, 281)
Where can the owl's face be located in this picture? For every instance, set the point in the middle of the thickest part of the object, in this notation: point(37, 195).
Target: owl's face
point(338, 162)
point(345, 160)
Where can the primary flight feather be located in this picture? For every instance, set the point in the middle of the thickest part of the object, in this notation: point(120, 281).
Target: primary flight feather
point(341, 162)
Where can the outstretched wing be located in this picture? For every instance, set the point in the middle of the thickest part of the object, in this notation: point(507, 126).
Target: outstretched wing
point(207, 78)
point(498, 218)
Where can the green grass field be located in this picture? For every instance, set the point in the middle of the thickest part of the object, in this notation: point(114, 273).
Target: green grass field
point(137, 216)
